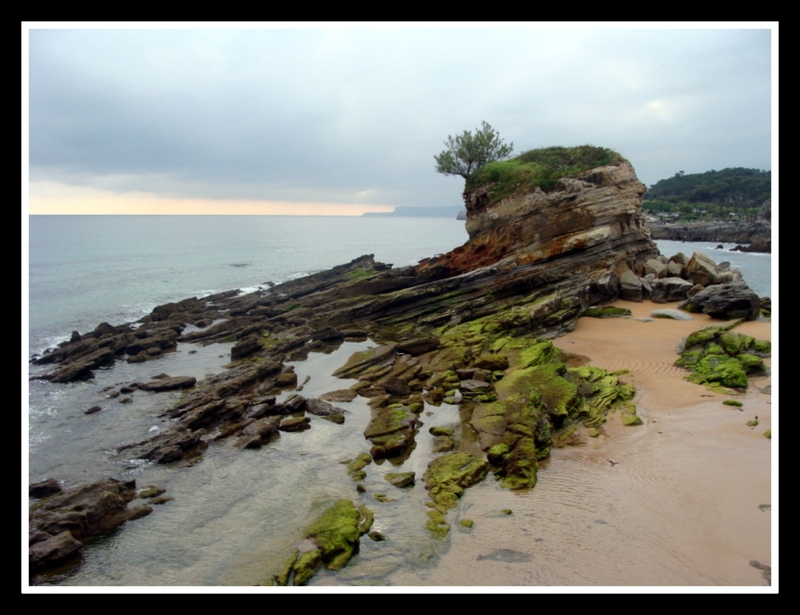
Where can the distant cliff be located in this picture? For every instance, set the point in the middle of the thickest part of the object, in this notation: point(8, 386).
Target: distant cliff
point(758, 233)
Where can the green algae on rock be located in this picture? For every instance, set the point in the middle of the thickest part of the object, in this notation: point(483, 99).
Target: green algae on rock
point(335, 534)
point(392, 430)
point(355, 468)
point(446, 478)
point(400, 479)
point(607, 311)
point(721, 358)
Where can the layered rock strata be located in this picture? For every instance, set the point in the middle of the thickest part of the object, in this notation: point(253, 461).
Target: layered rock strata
point(469, 327)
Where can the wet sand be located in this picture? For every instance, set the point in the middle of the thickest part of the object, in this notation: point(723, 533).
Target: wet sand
point(682, 500)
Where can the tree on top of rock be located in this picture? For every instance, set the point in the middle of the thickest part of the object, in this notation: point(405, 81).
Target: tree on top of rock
point(467, 152)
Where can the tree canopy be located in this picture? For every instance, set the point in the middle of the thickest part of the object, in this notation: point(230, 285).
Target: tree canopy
point(467, 152)
point(736, 187)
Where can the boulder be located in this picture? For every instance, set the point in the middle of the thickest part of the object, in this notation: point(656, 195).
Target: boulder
point(630, 287)
point(725, 301)
point(701, 269)
point(667, 290)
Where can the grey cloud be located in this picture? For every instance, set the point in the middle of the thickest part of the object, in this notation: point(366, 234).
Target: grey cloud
point(326, 114)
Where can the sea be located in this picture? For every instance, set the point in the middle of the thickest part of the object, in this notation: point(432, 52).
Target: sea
point(236, 516)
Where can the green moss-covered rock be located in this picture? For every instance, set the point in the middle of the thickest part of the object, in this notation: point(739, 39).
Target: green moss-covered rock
point(281, 578)
point(751, 363)
point(721, 358)
point(607, 311)
point(491, 362)
point(719, 369)
point(603, 391)
point(400, 479)
point(520, 465)
point(356, 467)
point(306, 566)
point(447, 476)
point(391, 430)
point(734, 343)
point(337, 531)
point(539, 353)
point(443, 444)
point(733, 402)
point(498, 453)
point(440, 431)
point(762, 348)
point(629, 416)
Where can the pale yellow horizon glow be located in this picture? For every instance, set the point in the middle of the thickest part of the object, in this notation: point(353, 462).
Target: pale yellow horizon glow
point(51, 198)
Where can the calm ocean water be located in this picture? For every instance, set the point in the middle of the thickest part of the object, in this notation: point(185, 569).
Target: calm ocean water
point(87, 269)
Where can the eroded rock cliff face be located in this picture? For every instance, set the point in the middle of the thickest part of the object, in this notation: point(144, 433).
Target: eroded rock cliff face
point(573, 240)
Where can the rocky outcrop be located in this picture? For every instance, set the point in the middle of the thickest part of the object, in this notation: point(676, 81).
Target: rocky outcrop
point(594, 218)
point(720, 358)
point(725, 301)
point(758, 233)
point(59, 525)
point(469, 327)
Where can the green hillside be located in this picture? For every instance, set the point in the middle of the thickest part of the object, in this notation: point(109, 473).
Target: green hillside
point(735, 191)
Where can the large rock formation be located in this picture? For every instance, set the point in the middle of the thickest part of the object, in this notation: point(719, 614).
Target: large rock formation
point(463, 328)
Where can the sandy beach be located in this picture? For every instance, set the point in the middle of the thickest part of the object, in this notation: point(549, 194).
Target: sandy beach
point(682, 500)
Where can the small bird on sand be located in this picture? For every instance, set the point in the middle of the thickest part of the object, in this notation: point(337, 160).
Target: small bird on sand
point(612, 462)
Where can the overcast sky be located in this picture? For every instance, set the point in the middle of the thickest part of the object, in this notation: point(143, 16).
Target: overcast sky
point(277, 120)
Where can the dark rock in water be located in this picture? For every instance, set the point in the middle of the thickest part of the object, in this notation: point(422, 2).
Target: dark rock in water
point(298, 423)
point(400, 479)
point(391, 430)
point(507, 555)
point(258, 432)
point(762, 245)
point(168, 384)
point(246, 347)
point(339, 395)
point(322, 408)
point(727, 232)
point(59, 525)
point(172, 445)
point(45, 488)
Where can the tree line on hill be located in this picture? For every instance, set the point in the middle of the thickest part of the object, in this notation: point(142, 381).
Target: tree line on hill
point(729, 193)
